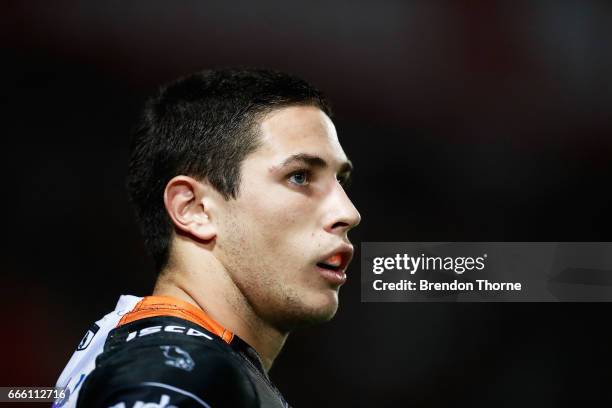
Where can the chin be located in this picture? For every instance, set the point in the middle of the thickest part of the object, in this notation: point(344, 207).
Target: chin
point(309, 310)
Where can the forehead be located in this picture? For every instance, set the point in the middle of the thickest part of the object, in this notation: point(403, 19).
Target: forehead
point(299, 130)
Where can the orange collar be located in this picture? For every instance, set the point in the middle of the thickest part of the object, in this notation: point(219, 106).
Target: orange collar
point(151, 306)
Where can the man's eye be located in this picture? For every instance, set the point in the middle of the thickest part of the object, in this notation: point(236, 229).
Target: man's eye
point(300, 178)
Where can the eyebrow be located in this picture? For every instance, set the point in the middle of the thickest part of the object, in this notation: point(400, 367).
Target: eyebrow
point(312, 161)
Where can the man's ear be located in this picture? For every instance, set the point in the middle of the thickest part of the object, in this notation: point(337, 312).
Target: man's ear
point(185, 199)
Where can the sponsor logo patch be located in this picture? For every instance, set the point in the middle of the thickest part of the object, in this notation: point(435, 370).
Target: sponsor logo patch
point(168, 329)
point(88, 337)
point(163, 403)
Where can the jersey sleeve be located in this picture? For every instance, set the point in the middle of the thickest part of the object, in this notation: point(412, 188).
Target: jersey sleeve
point(168, 375)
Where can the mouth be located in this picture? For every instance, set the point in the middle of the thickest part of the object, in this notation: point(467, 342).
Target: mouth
point(333, 265)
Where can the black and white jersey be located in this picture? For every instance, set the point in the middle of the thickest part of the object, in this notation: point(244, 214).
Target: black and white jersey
point(164, 353)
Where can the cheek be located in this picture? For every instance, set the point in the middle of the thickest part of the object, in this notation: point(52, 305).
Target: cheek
point(280, 231)
point(278, 216)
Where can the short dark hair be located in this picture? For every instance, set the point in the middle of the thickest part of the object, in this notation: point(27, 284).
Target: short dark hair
point(203, 126)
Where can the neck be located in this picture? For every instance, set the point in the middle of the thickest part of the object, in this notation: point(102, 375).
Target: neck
point(212, 290)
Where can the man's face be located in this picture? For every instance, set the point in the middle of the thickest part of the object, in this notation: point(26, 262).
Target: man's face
point(284, 239)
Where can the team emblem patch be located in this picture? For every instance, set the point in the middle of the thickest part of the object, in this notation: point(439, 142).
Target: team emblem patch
point(177, 357)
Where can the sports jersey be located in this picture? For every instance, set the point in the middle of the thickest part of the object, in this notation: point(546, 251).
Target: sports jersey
point(161, 352)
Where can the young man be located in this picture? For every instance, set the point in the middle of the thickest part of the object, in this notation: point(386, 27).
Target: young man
point(237, 179)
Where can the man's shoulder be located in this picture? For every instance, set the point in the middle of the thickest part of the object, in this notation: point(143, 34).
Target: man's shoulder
point(169, 362)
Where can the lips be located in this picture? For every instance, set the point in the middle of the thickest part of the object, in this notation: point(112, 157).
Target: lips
point(338, 259)
point(333, 262)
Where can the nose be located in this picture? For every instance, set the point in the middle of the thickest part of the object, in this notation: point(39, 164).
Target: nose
point(341, 215)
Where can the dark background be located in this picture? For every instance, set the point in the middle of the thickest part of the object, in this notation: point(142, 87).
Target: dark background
point(467, 121)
